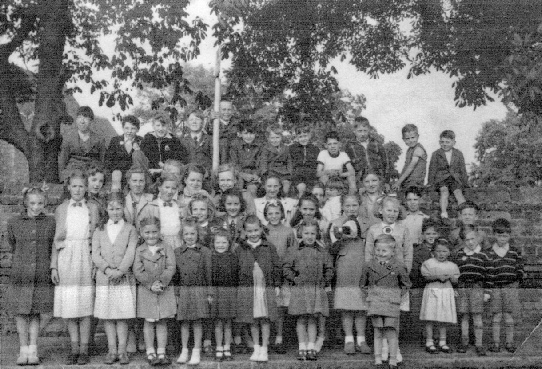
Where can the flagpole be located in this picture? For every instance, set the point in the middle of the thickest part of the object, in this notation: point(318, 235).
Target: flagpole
point(216, 122)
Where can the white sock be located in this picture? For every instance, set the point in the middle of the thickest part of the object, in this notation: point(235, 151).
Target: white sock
point(302, 346)
point(161, 351)
point(152, 351)
point(278, 340)
point(310, 346)
point(348, 339)
point(442, 342)
point(399, 356)
point(206, 343)
point(219, 348)
point(226, 347)
point(360, 339)
point(429, 342)
point(33, 349)
point(237, 340)
point(23, 350)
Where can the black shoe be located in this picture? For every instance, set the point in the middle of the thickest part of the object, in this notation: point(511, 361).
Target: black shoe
point(480, 351)
point(279, 348)
point(83, 359)
point(462, 349)
point(72, 359)
point(311, 355)
point(302, 355)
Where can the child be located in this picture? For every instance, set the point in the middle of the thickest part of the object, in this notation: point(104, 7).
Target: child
point(197, 143)
point(371, 195)
point(447, 171)
point(438, 304)
point(506, 273)
point(225, 278)
point(309, 270)
point(228, 178)
point(30, 293)
point(275, 158)
point(95, 193)
point(136, 199)
point(473, 266)
point(385, 282)
point(468, 214)
point(283, 238)
point(414, 216)
point(71, 262)
point(304, 160)
point(233, 206)
point(245, 155)
point(154, 266)
point(348, 249)
point(318, 190)
point(307, 209)
point(193, 292)
point(272, 188)
point(160, 146)
point(334, 189)
point(80, 147)
point(413, 173)
point(113, 252)
point(366, 153)
point(193, 181)
point(332, 161)
point(260, 277)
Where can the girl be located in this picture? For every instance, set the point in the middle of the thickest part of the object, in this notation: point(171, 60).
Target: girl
point(284, 240)
point(318, 191)
point(30, 293)
point(348, 248)
point(371, 193)
point(438, 303)
point(154, 266)
point(194, 292)
point(201, 208)
point(272, 191)
point(113, 251)
point(71, 265)
point(228, 177)
point(259, 272)
point(225, 278)
point(233, 205)
point(309, 269)
point(136, 199)
point(193, 181)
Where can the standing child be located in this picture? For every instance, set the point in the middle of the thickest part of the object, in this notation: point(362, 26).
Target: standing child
point(283, 238)
point(228, 178)
point(225, 278)
point(113, 252)
point(447, 171)
point(197, 143)
point(371, 195)
point(95, 193)
point(438, 304)
point(272, 187)
point(468, 215)
point(194, 293)
point(193, 178)
point(154, 266)
point(233, 206)
point(304, 160)
point(136, 199)
point(413, 173)
point(260, 277)
point(473, 283)
point(309, 270)
point(506, 273)
point(275, 159)
point(30, 293)
point(414, 216)
point(385, 280)
point(332, 162)
point(245, 155)
point(71, 265)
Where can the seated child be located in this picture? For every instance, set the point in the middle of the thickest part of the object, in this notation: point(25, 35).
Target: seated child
point(198, 144)
point(447, 171)
point(413, 173)
point(334, 189)
point(384, 282)
point(275, 159)
point(506, 273)
point(468, 214)
point(304, 160)
point(414, 216)
point(245, 155)
point(332, 161)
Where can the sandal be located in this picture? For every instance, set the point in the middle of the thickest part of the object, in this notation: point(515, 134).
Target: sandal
point(219, 355)
point(311, 355)
point(431, 349)
point(227, 355)
point(302, 355)
point(445, 348)
point(510, 347)
point(152, 359)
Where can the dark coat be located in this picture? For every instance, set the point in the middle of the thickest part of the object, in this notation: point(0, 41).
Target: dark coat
point(375, 158)
point(169, 148)
point(225, 278)
point(421, 253)
point(276, 160)
point(30, 239)
point(439, 170)
point(200, 153)
point(304, 162)
point(246, 157)
point(74, 154)
point(116, 157)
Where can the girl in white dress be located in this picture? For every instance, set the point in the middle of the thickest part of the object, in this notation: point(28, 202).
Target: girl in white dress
point(71, 265)
point(438, 303)
point(113, 252)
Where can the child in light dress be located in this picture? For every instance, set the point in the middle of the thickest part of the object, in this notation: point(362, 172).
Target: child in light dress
point(113, 251)
point(272, 186)
point(438, 302)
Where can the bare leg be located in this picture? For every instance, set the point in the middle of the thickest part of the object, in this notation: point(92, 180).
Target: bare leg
point(227, 333)
point(444, 194)
point(279, 325)
point(197, 326)
point(442, 336)
point(360, 321)
point(111, 333)
point(348, 322)
point(301, 329)
point(148, 333)
point(378, 345)
point(312, 329)
point(219, 332)
point(509, 321)
point(22, 329)
point(465, 330)
point(478, 328)
point(429, 334)
point(73, 330)
point(34, 330)
point(84, 334)
point(122, 335)
point(161, 334)
point(391, 335)
point(496, 328)
point(459, 196)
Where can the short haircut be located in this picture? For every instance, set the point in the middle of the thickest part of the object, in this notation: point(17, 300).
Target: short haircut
point(466, 229)
point(305, 128)
point(149, 221)
point(331, 135)
point(310, 223)
point(190, 222)
point(232, 192)
point(384, 239)
point(371, 172)
point(165, 177)
point(428, 223)
point(77, 174)
point(409, 128)
point(335, 183)
point(132, 119)
point(136, 170)
point(221, 232)
point(200, 197)
point(415, 190)
point(116, 196)
point(252, 219)
point(85, 111)
point(94, 169)
point(448, 134)
point(467, 205)
point(247, 125)
point(159, 117)
point(274, 128)
point(345, 197)
point(193, 168)
point(501, 225)
point(198, 113)
point(442, 242)
point(361, 121)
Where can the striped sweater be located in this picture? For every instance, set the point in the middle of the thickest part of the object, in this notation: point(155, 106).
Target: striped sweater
point(473, 268)
point(506, 269)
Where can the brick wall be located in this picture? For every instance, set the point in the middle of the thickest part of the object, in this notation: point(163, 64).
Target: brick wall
point(522, 206)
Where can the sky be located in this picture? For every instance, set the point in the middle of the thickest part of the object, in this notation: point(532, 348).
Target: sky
point(392, 100)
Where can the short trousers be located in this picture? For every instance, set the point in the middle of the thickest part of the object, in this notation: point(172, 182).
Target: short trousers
point(471, 299)
point(505, 299)
point(380, 321)
point(450, 183)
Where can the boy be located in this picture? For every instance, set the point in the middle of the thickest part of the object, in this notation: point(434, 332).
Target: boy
point(228, 130)
point(447, 171)
point(366, 153)
point(506, 273)
point(332, 161)
point(160, 145)
point(198, 144)
point(473, 266)
point(304, 160)
point(245, 155)
point(228, 178)
point(414, 216)
point(80, 147)
point(468, 214)
point(385, 281)
point(413, 173)
point(275, 158)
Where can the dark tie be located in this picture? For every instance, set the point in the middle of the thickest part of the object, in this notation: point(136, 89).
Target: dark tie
point(116, 222)
point(134, 212)
point(232, 229)
point(78, 203)
point(168, 203)
point(196, 140)
point(382, 263)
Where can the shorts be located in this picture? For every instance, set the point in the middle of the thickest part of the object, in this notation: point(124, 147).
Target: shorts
point(471, 299)
point(380, 321)
point(505, 299)
point(450, 183)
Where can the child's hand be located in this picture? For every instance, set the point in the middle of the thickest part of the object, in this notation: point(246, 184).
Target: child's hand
point(327, 289)
point(135, 146)
point(157, 287)
point(210, 299)
point(277, 291)
point(456, 294)
point(54, 276)
point(487, 297)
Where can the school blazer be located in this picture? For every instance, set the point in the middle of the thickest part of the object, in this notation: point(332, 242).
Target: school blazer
point(71, 148)
point(439, 170)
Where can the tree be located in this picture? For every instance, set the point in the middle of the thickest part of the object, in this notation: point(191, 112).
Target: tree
point(61, 39)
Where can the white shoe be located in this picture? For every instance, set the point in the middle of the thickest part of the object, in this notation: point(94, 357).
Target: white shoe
point(256, 354)
point(399, 356)
point(23, 356)
point(319, 344)
point(183, 357)
point(444, 215)
point(195, 358)
point(263, 357)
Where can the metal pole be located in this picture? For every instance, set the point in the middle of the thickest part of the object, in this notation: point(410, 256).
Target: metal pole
point(216, 122)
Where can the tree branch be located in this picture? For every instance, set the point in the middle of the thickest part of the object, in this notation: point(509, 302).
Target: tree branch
point(28, 20)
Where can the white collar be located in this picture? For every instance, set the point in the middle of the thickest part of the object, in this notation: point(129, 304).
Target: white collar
point(84, 136)
point(167, 135)
point(472, 252)
point(254, 245)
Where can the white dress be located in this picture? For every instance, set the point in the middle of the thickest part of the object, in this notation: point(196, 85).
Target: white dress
point(438, 302)
point(170, 224)
point(74, 295)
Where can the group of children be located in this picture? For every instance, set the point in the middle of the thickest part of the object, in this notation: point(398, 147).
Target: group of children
point(218, 260)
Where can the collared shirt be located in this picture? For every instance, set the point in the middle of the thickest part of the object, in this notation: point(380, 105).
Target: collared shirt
point(84, 136)
point(470, 252)
point(113, 229)
point(448, 155)
point(77, 203)
point(501, 251)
